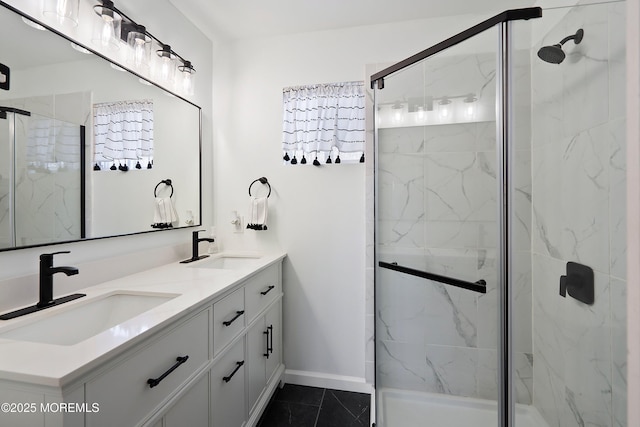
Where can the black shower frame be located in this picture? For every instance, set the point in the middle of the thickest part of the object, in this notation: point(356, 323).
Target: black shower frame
point(506, 16)
point(502, 21)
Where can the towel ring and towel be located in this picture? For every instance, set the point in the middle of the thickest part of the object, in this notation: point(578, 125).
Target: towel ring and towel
point(165, 213)
point(258, 207)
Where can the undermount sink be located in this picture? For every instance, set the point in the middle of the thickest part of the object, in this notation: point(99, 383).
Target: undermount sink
point(88, 318)
point(227, 262)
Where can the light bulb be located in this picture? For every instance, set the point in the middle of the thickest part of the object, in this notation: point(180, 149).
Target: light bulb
point(421, 114)
point(108, 32)
point(470, 107)
point(187, 72)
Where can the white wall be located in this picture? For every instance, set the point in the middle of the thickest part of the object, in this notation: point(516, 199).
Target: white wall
point(169, 25)
point(316, 213)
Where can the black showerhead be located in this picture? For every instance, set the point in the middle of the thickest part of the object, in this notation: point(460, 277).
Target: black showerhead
point(554, 54)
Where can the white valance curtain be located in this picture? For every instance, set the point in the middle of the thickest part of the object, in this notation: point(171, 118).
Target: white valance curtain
point(52, 144)
point(324, 123)
point(123, 134)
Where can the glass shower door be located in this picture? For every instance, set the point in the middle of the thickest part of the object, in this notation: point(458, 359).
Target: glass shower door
point(437, 239)
point(6, 179)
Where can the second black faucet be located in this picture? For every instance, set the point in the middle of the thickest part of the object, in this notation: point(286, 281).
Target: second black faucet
point(195, 240)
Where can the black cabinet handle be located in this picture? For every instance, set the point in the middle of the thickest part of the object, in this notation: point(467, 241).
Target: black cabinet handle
point(266, 352)
point(267, 291)
point(270, 345)
point(229, 322)
point(238, 366)
point(155, 381)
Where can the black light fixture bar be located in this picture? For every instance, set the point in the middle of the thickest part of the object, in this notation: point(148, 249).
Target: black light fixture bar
point(129, 25)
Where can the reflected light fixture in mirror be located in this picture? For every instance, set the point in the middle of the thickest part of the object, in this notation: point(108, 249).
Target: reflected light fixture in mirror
point(444, 109)
point(106, 32)
point(64, 11)
point(188, 76)
point(32, 24)
point(470, 106)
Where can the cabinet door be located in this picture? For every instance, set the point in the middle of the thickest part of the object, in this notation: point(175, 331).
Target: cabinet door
point(273, 323)
point(257, 341)
point(227, 388)
point(193, 407)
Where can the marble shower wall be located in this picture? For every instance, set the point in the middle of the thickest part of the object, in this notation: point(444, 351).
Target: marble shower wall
point(578, 191)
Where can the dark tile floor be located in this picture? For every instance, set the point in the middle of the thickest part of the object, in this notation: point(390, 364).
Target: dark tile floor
point(301, 406)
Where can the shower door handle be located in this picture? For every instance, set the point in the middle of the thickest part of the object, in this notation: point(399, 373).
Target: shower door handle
point(480, 286)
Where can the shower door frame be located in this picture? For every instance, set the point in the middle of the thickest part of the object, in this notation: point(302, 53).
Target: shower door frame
point(504, 140)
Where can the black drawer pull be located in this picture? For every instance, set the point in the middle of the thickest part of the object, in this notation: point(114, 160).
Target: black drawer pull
point(238, 366)
point(155, 381)
point(229, 322)
point(270, 345)
point(266, 353)
point(267, 291)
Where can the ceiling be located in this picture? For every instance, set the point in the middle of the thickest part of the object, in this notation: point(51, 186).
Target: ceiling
point(238, 19)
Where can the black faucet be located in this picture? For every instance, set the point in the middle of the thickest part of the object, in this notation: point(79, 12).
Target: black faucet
point(195, 240)
point(47, 270)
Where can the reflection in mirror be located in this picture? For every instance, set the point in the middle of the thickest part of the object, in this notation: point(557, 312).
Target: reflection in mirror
point(58, 94)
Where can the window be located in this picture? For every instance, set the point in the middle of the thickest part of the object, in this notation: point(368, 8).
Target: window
point(324, 123)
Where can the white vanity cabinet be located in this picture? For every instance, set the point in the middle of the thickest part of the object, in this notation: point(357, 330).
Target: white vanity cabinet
point(215, 364)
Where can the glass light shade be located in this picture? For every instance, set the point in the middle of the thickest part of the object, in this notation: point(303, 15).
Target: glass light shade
point(139, 45)
point(164, 67)
point(65, 12)
point(187, 75)
point(444, 109)
point(470, 107)
point(106, 31)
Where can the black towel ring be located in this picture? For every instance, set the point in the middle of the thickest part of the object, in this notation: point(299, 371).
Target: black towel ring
point(262, 180)
point(166, 182)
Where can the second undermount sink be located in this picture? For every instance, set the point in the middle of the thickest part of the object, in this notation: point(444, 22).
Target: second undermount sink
point(227, 262)
point(88, 318)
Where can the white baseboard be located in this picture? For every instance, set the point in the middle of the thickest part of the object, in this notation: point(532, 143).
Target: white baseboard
point(322, 380)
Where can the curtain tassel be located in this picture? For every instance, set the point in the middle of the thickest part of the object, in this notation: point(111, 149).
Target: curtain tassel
point(329, 159)
point(338, 159)
point(96, 167)
point(113, 167)
point(138, 166)
point(286, 157)
point(123, 167)
point(316, 162)
point(362, 158)
point(304, 160)
point(149, 165)
point(294, 161)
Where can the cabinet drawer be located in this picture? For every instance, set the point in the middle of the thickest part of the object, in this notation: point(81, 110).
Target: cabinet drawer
point(261, 290)
point(228, 319)
point(124, 395)
point(227, 388)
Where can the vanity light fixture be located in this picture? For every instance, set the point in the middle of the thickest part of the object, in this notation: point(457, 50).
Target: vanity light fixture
point(106, 32)
point(139, 46)
point(188, 75)
point(166, 68)
point(65, 12)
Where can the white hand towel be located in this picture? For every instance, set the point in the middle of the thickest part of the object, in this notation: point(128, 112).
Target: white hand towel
point(165, 212)
point(258, 209)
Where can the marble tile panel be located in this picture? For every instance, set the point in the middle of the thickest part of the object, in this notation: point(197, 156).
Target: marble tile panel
point(450, 138)
point(402, 365)
point(451, 370)
point(619, 351)
point(617, 198)
point(585, 71)
point(405, 140)
point(488, 379)
point(401, 234)
point(400, 187)
point(617, 59)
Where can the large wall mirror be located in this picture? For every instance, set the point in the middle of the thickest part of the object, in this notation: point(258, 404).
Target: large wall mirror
point(61, 102)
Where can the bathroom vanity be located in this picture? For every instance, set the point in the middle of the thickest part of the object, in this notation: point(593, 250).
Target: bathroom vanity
point(196, 344)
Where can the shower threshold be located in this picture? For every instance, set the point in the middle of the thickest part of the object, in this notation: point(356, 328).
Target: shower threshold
point(402, 408)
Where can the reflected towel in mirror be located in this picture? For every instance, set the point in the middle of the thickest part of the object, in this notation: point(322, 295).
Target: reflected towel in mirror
point(165, 213)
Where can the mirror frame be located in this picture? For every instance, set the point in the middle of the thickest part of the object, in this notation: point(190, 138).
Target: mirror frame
point(130, 71)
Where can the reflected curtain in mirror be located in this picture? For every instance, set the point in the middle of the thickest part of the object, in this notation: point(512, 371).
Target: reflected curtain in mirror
point(123, 133)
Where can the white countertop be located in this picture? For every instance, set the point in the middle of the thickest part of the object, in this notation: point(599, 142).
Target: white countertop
point(58, 365)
